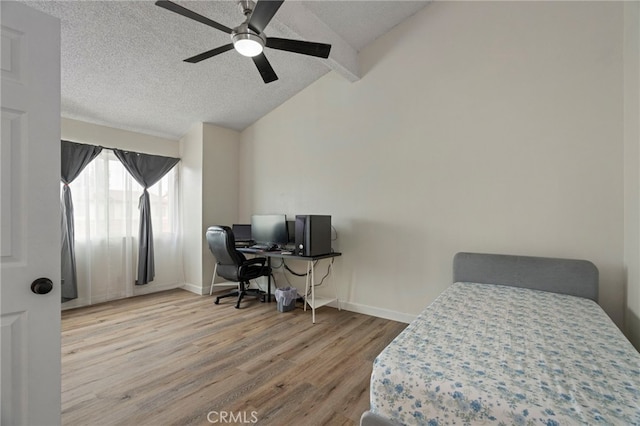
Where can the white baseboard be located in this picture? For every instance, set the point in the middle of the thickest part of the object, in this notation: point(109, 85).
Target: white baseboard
point(193, 288)
point(347, 306)
point(139, 290)
point(375, 312)
point(75, 303)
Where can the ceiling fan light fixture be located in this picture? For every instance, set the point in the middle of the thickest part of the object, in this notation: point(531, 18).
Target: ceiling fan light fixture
point(248, 44)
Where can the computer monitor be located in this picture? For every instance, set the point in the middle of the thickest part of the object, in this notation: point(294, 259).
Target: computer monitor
point(269, 229)
point(241, 232)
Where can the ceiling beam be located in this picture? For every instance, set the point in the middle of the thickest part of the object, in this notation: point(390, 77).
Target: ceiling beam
point(304, 24)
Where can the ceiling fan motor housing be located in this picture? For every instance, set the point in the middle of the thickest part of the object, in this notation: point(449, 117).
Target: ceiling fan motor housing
point(244, 40)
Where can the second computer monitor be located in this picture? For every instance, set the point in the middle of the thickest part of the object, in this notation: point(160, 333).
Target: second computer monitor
point(269, 229)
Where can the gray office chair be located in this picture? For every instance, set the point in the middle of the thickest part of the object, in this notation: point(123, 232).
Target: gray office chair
point(233, 266)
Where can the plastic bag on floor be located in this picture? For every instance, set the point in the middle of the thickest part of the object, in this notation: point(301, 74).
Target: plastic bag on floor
point(286, 298)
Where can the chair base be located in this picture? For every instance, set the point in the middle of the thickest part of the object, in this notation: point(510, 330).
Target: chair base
point(241, 293)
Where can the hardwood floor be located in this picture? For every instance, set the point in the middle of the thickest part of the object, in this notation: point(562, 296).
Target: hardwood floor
point(175, 358)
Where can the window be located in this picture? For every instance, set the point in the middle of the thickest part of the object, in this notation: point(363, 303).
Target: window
point(106, 216)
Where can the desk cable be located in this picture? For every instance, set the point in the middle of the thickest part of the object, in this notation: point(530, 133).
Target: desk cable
point(304, 275)
point(287, 268)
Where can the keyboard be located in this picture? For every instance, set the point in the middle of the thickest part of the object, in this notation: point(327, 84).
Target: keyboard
point(264, 247)
point(243, 244)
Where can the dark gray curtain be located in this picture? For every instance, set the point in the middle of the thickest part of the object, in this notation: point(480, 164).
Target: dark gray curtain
point(146, 170)
point(75, 157)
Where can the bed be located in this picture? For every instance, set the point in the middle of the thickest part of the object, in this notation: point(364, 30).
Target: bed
point(515, 340)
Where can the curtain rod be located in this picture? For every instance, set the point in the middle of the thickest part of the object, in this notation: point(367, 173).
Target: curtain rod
point(114, 149)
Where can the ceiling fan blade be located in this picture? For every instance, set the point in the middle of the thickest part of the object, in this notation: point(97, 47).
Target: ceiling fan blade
point(262, 14)
point(166, 4)
point(208, 54)
point(264, 67)
point(320, 50)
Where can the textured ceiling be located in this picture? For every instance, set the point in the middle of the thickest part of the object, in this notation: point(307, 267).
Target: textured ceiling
point(122, 61)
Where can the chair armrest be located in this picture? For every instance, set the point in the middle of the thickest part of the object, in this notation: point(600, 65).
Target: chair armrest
point(253, 261)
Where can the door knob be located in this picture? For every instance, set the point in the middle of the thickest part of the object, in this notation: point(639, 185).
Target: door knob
point(42, 286)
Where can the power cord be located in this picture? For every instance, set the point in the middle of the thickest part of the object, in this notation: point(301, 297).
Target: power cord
point(304, 275)
point(297, 274)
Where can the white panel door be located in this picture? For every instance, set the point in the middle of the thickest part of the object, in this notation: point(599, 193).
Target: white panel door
point(30, 217)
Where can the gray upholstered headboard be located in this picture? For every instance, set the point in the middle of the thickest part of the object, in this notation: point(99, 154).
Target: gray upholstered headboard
point(567, 276)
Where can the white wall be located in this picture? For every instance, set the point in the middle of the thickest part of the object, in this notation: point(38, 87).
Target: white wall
point(209, 171)
point(191, 147)
point(478, 126)
point(632, 167)
point(109, 137)
point(220, 192)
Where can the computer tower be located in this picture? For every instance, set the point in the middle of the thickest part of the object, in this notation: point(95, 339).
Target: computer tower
point(313, 235)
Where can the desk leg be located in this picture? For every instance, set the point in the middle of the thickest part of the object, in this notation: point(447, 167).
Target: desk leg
point(333, 283)
point(306, 288)
point(269, 281)
point(313, 293)
point(215, 270)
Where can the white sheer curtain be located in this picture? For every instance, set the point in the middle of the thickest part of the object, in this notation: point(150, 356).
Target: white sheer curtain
point(106, 232)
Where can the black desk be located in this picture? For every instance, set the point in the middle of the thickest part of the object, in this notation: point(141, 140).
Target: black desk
point(310, 278)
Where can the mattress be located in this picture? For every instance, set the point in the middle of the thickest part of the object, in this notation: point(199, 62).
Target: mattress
point(490, 354)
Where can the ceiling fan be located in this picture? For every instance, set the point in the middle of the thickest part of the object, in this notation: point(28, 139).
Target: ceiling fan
point(248, 38)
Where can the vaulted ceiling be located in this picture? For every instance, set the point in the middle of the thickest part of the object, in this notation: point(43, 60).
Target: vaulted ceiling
point(122, 61)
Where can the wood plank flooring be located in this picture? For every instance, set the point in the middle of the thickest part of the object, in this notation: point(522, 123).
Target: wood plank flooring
point(175, 358)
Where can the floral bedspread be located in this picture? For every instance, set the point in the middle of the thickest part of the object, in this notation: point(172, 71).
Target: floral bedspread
point(489, 354)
